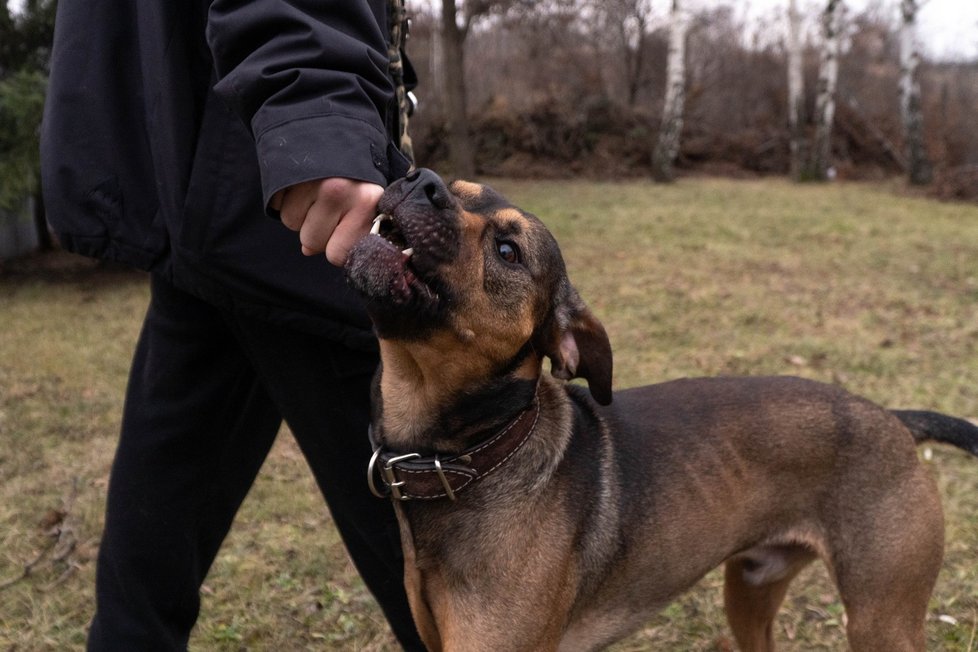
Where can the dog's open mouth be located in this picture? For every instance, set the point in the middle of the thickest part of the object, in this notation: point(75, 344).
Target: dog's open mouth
point(385, 226)
point(382, 266)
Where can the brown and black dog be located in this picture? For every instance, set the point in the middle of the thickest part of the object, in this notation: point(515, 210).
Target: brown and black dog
point(537, 517)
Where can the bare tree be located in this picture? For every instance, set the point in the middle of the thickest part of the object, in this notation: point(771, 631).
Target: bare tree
point(455, 28)
point(667, 146)
point(796, 91)
point(911, 112)
point(828, 77)
point(569, 109)
point(622, 29)
point(453, 35)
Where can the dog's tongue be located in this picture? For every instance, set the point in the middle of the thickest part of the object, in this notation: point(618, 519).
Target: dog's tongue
point(376, 269)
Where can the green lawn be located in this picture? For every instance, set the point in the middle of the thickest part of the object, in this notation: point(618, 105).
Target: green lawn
point(860, 285)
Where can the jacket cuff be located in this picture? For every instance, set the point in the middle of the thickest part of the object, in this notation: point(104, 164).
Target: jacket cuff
point(325, 146)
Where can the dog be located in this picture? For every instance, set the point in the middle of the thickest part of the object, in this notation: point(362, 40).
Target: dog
point(538, 514)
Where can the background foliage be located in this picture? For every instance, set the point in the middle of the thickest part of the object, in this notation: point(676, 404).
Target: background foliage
point(575, 87)
point(21, 105)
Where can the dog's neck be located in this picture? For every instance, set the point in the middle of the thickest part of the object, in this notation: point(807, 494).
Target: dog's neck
point(426, 400)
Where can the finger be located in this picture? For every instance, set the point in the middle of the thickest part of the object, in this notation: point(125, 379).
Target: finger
point(332, 198)
point(354, 224)
point(317, 227)
point(348, 231)
point(296, 203)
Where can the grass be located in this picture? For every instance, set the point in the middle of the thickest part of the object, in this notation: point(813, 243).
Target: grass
point(860, 285)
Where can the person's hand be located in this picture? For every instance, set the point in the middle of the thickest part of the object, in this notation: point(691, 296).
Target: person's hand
point(329, 214)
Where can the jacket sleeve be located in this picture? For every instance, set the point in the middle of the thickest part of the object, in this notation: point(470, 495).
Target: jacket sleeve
point(311, 79)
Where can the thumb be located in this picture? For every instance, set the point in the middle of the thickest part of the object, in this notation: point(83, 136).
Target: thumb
point(354, 224)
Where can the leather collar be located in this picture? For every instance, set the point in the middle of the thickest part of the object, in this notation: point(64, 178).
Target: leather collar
point(412, 476)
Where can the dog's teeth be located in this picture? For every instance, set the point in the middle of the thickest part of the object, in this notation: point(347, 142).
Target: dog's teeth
point(408, 252)
point(375, 227)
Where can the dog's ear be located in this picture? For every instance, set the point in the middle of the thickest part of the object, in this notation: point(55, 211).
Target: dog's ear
point(577, 345)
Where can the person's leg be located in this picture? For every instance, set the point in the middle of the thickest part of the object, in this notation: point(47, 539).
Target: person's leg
point(196, 428)
point(322, 390)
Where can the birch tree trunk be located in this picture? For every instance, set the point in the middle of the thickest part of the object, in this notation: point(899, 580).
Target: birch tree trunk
point(918, 165)
point(796, 92)
point(667, 146)
point(828, 76)
point(461, 154)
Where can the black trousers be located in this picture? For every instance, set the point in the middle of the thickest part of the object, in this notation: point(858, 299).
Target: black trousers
point(207, 393)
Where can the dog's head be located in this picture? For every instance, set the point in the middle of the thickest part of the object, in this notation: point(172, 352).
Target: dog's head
point(456, 271)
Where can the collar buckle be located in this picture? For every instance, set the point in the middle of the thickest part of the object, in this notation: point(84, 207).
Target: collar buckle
point(391, 483)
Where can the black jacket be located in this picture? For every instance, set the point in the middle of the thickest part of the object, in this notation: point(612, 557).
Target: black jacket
point(170, 124)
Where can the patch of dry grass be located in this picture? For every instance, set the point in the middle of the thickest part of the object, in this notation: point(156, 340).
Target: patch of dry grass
point(852, 284)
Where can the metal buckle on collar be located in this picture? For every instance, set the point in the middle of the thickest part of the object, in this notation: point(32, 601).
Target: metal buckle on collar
point(387, 475)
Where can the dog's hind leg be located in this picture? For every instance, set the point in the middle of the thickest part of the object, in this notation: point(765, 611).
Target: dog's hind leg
point(887, 569)
point(754, 587)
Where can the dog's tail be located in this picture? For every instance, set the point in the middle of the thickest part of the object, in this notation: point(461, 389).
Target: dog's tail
point(933, 426)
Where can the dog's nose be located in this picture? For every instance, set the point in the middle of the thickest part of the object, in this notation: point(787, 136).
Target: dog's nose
point(427, 187)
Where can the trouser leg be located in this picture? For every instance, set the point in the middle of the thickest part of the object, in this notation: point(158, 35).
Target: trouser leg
point(197, 426)
point(323, 391)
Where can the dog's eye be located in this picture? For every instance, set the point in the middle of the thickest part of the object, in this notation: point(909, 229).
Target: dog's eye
point(508, 251)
